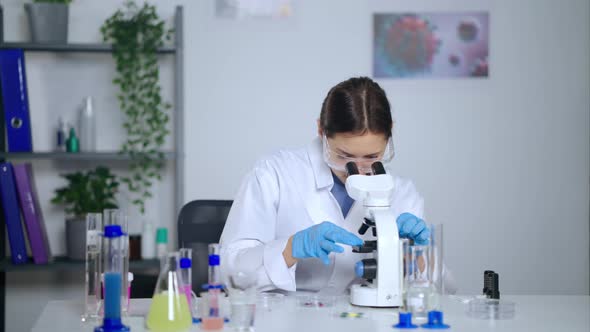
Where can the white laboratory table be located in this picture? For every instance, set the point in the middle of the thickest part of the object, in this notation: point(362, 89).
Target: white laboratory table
point(533, 313)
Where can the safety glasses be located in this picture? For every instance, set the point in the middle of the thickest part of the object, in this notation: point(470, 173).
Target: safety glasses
point(337, 161)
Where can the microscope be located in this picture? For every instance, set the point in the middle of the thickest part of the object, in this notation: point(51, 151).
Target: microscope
point(384, 272)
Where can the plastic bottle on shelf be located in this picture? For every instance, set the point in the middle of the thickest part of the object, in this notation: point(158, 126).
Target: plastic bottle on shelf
point(72, 144)
point(87, 126)
point(162, 242)
point(61, 135)
point(148, 242)
point(162, 245)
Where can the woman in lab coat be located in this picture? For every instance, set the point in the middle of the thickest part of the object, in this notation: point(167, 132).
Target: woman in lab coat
point(292, 222)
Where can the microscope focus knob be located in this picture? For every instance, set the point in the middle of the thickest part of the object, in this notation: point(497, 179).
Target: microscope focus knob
point(363, 229)
point(366, 268)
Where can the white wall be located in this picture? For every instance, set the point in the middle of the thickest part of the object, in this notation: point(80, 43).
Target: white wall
point(502, 162)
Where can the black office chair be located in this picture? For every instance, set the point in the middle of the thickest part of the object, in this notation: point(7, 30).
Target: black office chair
point(200, 223)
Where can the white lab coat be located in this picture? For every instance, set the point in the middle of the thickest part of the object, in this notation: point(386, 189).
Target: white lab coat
point(285, 193)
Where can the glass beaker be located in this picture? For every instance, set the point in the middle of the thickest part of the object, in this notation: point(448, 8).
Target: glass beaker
point(242, 296)
point(169, 310)
point(421, 296)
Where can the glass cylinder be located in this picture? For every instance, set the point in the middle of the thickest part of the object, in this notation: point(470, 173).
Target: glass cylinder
point(117, 217)
point(113, 271)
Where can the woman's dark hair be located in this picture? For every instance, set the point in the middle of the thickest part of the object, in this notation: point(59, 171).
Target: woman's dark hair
point(357, 105)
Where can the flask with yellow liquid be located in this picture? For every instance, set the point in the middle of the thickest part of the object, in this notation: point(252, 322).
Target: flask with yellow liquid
point(169, 310)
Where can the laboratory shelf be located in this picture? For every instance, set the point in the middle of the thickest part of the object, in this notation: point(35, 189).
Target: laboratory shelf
point(90, 156)
point(174, 50)
point(71, 47)
point(63, 264)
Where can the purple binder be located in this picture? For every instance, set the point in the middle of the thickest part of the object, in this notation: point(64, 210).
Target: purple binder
point(33, 216)
point(11, 211)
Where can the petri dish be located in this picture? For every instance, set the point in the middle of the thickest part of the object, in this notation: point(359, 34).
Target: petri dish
point(490, 309)
point(268, 301)
point(315, 301)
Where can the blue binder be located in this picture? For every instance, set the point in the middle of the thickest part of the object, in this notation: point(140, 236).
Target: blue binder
point(15, 101)
point(11, 210)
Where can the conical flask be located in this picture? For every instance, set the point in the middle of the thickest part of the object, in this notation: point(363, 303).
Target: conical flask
point(169, 310)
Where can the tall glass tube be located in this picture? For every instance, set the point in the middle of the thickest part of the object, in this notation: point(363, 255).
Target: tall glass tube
point(437, 258)
point(92, 293)
point(406, 262)
point(113, 279)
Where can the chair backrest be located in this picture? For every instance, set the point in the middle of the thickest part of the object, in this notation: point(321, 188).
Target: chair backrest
point(200, 223)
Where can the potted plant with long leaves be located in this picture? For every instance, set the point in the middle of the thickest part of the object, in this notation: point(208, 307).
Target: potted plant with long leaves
point(89, 191)
point(136, 33)
point(48, 20)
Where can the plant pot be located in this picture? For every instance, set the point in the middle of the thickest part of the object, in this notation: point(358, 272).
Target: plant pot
point(48, 22)
point(76, 238)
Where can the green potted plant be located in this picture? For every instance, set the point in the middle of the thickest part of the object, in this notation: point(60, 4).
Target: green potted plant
point(48, 20)
point(86, 191)
point(136, 33)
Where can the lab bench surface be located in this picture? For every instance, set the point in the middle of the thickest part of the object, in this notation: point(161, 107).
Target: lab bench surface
point(60, 263)
point(533, 313)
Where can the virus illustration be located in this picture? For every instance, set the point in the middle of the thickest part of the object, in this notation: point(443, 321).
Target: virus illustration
point(468, 30)
point(480, 68)
point(454, 60)
point(404, 45)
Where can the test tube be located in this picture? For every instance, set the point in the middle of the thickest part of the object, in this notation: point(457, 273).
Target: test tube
point(92, 287)
point(186, 255)
point(117, 217)
point(114, 244)
point(213, 321)
point(214, 273)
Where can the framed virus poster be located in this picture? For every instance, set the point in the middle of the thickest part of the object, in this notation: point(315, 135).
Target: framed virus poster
point(431, 45)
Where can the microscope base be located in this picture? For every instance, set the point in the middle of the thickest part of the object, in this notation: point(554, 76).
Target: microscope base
point(366, 296)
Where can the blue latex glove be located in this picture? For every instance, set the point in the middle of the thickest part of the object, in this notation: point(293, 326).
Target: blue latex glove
point(319, 240)
point(412, 227)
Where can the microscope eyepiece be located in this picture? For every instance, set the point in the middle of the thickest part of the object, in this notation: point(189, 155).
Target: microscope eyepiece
point(378, 168)
point(351, 168)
